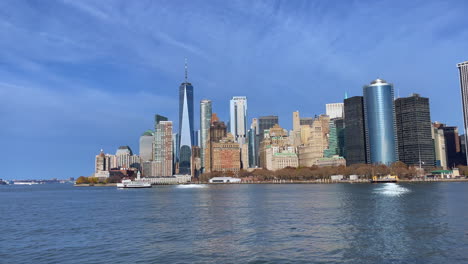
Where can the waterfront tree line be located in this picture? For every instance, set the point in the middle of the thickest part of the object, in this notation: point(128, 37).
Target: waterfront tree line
point(365, 171)
point(96, 180)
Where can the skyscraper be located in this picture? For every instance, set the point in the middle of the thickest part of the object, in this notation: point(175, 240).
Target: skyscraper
point(315, 139)
point(217, 132)
point(379, 114)
point(266, 122)
point(335, 138)
point(163, 149)
point(296, 121)
point(295, 134)
point(238, 120)
point(186, 132)
point(226, 155)
point(334, 110)
point(146, 146)
point(205, 123)
point(159, 118)
point(413, 120)
point(253, 144)
point(463, 70)
point(126, 159)
point(439, 147)
point(452, 145)
point(354, 133)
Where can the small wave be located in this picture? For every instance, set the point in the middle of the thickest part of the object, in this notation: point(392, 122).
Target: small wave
point(190, 186)
point(392, 189)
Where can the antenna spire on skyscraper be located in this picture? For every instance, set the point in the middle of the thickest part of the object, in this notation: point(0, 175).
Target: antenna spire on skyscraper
point(186, 78)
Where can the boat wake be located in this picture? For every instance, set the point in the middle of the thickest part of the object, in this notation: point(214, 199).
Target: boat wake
point(191, 186)
point(391, 189)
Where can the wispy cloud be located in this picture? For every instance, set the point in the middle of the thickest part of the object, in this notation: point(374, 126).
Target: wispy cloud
point(100, 69)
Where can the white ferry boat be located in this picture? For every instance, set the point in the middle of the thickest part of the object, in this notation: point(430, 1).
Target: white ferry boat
point(133, 184)
point(24, 183)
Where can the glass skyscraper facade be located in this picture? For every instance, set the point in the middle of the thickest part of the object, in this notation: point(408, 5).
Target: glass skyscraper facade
point(354, 132)
point(380, 124)
point(186, 130)
point(335, 138)
point(414, 130)
point(205, 123)
point(263, 123)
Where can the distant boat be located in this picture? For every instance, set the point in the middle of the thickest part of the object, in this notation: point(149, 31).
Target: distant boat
point(24, 183)
point(133, 184)
point(384, 179)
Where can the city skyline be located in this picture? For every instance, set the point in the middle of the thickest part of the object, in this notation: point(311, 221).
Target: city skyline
point(71, 102)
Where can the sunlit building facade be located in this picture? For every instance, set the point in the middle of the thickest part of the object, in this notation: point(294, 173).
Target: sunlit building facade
point(146, 146)
point(163, 149)
point(238, 118)
point(380, 124)
point(205, 124)
point(334, 110)
point(463, 71)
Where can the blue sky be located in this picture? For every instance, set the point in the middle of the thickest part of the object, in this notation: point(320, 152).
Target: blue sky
point(78, 76)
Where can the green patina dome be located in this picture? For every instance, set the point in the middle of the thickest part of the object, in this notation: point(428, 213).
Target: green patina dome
point(148, 132)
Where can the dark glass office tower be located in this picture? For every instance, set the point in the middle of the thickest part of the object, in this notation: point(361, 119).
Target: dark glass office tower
point(379, 115)
point(186, 132)
point(251, 139)
point(413, 120)
point(452, 145)
point(159, 118)
point(354, 132)
point(266, 122)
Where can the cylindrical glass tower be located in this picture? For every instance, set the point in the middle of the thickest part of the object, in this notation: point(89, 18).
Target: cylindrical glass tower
point(379, 114)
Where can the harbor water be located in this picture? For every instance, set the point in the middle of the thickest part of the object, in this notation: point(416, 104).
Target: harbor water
point(237, 223)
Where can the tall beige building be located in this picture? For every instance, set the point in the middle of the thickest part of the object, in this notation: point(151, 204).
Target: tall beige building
point(244, 150)
point(439, 147)
point(296, 121)
point(276, 150)
point(105, 162)
point(315, 141)
point(295, 134)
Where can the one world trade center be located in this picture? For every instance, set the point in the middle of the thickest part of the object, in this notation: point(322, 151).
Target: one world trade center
point(186, 134)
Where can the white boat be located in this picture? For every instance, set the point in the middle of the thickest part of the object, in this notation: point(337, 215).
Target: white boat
point(24, 183)
point(133, 184)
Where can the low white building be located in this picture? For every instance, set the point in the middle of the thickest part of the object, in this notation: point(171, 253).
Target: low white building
point(224, 180)
point(337, 177)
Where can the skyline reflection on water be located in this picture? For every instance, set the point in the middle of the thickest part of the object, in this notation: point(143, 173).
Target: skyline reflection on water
point(264, 223)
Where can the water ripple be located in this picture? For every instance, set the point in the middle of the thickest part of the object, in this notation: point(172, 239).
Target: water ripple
point(336, 223)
